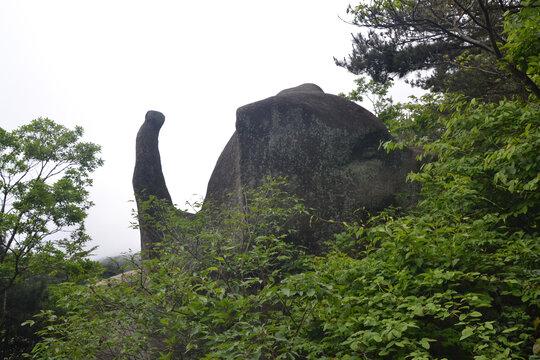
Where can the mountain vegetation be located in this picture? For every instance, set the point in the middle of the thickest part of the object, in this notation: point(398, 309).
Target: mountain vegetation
point(470, 46)
point(44, 175)
point(455, 276)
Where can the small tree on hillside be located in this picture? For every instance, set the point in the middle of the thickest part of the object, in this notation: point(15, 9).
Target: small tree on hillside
point(44, 175)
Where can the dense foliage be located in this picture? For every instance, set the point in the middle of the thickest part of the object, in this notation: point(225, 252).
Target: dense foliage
point(455, 277)
point(207, 289)
point(44, 176)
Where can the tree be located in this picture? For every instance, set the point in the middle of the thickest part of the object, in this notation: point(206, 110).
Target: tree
point(464, 42)
point(44, 176)
point(407, 122)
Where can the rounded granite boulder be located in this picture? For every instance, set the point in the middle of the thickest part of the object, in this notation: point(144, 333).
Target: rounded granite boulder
point(328, 148)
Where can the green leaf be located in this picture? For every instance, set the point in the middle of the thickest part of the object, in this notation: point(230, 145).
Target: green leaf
point(512, 329)
point(424, 342)
point(468, 331)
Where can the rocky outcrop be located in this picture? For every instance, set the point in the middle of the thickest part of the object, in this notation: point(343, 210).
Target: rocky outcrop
point(148, 179)
point(327, 147)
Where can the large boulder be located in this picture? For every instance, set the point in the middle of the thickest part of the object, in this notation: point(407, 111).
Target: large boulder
point(327, 147)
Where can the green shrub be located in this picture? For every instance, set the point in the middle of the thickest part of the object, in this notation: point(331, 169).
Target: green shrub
point(208, 286)
point(456, 277)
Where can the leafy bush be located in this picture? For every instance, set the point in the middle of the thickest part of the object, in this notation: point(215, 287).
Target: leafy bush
point(458, 278)
point(454, 278)
point(207, 290)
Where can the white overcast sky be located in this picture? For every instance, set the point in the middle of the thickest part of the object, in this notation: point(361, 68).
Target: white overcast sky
point(102, 64)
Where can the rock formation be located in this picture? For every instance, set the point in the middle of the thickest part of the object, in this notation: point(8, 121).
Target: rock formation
point(326, 146)
point(148, 179)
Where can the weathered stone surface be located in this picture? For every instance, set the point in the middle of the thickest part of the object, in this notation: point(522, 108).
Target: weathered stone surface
point(304, 88)
point(148, 179)
point(327, 147)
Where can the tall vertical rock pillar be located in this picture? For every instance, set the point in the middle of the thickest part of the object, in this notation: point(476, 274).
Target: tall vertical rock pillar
point(148, 180)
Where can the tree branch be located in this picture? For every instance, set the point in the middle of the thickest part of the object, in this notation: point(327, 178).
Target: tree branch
point(490, 30)
point(11, 239)
point(470, 14)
